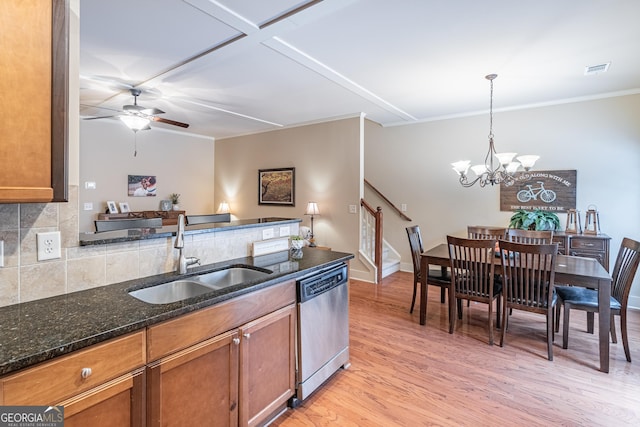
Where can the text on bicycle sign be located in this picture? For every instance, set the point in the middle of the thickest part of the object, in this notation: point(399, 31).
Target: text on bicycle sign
point(544, 190)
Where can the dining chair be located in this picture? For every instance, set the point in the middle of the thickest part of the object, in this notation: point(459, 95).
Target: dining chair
point(473, 277)
point(528, 272)
point(484, 232)
point(537, 237)
point(579, 298)
point(437, 277)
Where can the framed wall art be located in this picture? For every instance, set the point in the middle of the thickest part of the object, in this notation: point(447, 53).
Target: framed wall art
point(277, 186)
point(141, 185)
point(543, 190)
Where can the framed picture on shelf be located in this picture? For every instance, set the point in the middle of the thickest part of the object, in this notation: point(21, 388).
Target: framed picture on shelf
point(111, 205)
point(166, 205)
point(124, 207)
point(277, 186)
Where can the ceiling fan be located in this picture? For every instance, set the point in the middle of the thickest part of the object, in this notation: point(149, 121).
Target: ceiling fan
point(137, 117)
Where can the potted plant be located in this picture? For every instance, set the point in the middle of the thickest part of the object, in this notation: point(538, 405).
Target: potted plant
point(535, 220)
point(297, 242)
point(175, 201)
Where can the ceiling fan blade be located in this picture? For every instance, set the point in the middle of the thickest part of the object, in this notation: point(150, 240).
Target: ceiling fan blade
point(95, 118)
point(169, 122)
point(99, 107)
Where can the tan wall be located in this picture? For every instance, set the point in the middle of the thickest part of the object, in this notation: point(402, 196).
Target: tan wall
point(326, 158)
point(600, 139)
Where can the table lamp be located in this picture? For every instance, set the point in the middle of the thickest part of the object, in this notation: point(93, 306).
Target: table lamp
point(223, 208)
point(312, 209)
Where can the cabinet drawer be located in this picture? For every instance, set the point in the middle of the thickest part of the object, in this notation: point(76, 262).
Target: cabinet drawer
point(182, 332)
point(587, 243)
point(60, 378)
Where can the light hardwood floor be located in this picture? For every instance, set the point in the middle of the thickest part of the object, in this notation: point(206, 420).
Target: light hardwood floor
point(404, 374)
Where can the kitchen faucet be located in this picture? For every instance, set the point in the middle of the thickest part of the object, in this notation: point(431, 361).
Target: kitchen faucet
point(183, 262)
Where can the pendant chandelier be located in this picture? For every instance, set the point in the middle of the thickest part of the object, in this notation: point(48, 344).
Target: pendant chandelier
point(497, 167)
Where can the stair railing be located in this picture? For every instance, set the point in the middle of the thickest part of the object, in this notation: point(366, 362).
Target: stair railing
point(371, 243)
point(393, 207)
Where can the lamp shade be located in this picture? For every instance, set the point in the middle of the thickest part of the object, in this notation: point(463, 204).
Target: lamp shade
point(223, 208)
point(312, 209)
point(135, 123)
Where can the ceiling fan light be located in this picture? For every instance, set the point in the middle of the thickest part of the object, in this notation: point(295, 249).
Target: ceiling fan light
point(528, 161)
point(135, 123)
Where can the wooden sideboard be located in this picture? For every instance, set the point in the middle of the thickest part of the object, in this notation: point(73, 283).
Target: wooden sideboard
point(168, 217)
point(584, 245)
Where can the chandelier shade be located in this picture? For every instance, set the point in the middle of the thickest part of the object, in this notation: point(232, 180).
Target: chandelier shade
point(497, 167)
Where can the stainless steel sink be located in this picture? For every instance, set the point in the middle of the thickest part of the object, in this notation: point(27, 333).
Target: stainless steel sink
point(171, 292)
point(179, 290)
point(230, 276)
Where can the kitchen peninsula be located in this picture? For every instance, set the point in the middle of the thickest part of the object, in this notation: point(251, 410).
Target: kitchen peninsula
point(79, 348)
point(128, 235)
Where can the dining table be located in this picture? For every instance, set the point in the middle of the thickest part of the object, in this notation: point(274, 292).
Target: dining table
point(571, 270)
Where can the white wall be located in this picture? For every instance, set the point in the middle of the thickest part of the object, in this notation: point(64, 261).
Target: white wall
point(600, 139)
point(181, 163)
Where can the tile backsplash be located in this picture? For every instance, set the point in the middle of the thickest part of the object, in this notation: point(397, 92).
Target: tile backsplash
point(24, 278)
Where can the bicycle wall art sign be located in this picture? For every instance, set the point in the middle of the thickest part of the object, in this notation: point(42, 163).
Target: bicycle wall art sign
point(544, 190)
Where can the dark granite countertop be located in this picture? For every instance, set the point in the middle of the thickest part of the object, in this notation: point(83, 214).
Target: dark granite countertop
point(37, 331)
point(88, 239)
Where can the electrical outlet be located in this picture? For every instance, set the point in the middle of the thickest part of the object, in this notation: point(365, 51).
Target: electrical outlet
point(90, 185)
point(353, 209)
point(48, 245)
point(403, 207)
point(285, 231)
point(88, 206)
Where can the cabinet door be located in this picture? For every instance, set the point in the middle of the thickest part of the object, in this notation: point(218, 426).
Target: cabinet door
point(118, 403)
point(197, 386)
point(267, 365)
point(34, 88)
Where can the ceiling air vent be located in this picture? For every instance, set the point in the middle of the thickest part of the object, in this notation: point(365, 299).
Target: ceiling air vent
point(595, 69)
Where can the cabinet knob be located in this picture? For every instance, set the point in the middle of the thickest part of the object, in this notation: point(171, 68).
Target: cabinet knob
point(247, 335)
point(236, 341)
point(85, 373)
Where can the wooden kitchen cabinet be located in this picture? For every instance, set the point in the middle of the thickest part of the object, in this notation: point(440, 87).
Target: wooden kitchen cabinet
point(197, 386)
point(34, 102)
point(267, 366)
point(102, 385)
point(226, 365)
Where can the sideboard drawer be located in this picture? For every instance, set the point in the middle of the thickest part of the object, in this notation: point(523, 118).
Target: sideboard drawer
point(55, 380)
point(588, 243)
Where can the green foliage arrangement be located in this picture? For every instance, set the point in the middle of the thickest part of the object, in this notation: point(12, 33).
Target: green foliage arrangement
point(535, 220)
point(175, 198)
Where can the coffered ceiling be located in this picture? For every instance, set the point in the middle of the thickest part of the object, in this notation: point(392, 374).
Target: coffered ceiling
point(234, 67)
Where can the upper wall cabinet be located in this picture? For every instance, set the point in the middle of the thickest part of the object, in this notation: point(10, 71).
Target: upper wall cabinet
point(34, 64)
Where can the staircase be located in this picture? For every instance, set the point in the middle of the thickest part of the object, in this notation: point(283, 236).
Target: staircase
point(390, 260)
point(376, 251)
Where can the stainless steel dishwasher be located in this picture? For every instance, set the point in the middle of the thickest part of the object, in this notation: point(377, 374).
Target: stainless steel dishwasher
point(323, 328)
